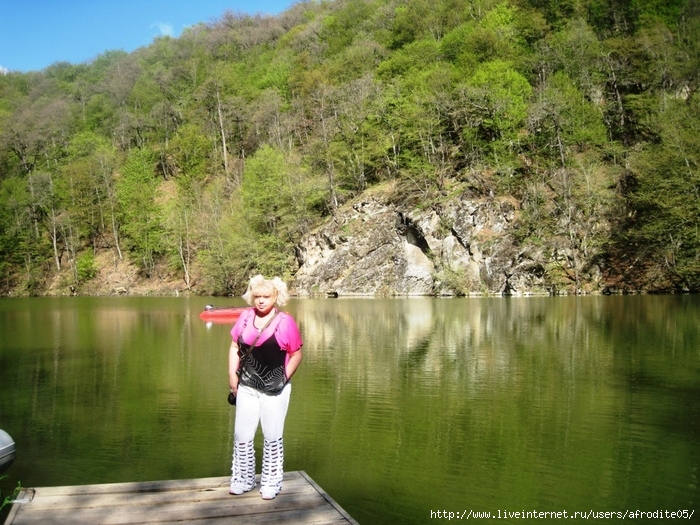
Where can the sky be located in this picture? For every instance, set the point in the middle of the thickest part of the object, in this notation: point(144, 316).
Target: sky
point(37, 33)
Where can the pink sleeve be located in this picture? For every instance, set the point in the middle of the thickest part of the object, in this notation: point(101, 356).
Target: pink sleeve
point(238, 327)
point(288, 335)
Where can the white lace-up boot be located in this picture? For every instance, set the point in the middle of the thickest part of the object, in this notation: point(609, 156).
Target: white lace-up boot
point(243, 469)
point(272, 468)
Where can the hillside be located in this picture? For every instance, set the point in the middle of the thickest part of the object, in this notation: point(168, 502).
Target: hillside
point(514, 146)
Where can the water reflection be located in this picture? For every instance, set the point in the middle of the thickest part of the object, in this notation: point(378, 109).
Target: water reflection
point(401, 406)
point(500, 403)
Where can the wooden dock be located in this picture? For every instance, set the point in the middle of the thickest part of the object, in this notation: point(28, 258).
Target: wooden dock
point(198, 501)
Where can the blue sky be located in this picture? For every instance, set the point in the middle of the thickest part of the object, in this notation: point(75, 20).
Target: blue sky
point(37, 33)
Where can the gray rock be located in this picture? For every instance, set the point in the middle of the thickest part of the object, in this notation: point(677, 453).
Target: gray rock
point(466, 247)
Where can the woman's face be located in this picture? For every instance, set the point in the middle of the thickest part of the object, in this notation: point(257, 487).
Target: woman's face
point(264, 300)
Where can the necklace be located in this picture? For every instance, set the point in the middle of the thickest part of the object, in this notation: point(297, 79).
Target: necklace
point(263, 320)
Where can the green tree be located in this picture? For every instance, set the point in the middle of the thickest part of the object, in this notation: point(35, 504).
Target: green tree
point(190, 151)
point(223, 255)
point(563, 122)
point(358, 145)
point(140, 214)
point(25, 252)
point(86, 268)
point(493, 108)
point(269, 209)
point(663, 232)
point(179, 221)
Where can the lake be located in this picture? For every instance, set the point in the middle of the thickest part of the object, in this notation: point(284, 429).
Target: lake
point(403, 410)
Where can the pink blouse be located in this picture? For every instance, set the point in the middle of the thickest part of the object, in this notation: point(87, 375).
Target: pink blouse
point(283, 327)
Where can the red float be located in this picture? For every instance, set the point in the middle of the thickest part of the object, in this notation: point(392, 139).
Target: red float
point(221, 315)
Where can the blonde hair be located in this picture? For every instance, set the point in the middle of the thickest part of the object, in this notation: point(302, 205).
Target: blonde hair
point(274, 285)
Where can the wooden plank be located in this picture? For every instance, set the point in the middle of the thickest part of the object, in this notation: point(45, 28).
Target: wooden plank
point(201, 501)
point(175, 514)
point(135, 495)
point(99, 510)
point(327, 497)
point(25, 496)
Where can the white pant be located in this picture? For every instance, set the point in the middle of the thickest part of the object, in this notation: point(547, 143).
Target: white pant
point(253, 407)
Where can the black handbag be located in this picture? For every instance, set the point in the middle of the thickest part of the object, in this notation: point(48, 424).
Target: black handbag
point(231, 395)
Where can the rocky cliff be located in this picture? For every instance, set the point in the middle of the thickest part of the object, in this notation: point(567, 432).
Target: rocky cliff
point(466, 246)
point(374, 246)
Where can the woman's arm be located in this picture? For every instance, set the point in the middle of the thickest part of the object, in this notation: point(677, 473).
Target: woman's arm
point(293, 363)
point(233, 362)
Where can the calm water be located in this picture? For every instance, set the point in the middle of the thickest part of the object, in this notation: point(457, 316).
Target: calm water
point(401, 407)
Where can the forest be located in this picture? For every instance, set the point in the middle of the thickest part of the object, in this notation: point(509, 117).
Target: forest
point(208, 157)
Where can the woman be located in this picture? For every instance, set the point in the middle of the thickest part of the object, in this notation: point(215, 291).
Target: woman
point(259, 377)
